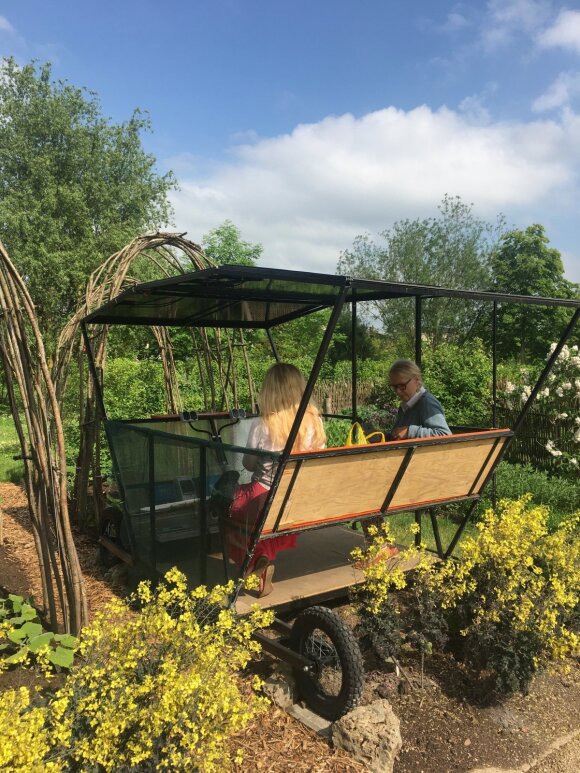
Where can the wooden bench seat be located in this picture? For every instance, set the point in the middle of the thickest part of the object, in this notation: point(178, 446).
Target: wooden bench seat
point(343, 484)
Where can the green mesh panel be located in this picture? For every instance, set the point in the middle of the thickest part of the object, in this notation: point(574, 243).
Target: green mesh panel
point(176, 484)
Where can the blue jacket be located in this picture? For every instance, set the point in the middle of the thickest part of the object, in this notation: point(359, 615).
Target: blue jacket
point(425, 419)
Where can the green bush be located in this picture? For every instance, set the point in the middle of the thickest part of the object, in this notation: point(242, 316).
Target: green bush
point(134, 388)
point(10, 469)
point(561, 495)
point(23, 640)
point(513, 595)
point(336, 432)
point(367, 370)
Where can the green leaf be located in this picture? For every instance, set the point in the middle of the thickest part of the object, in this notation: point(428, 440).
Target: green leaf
point(61, 657)
point(28, 612)
point(36, 642)
point(16, 620)
point(17, 601)
point(32, 629)
point(18, 657)
point(67, 640)
point(16, 635)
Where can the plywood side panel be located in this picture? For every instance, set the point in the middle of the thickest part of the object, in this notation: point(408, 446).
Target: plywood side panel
point(337, 486)
point(332, 487)
point(489, 465)
point(442, 472)
point(280, 495)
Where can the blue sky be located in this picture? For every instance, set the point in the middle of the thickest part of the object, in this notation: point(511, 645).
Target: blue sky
point(309, 122)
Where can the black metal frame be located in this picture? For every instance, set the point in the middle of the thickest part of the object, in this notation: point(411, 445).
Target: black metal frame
point(227, 286)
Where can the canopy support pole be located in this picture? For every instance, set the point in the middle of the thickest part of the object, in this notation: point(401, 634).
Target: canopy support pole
point(418, 330)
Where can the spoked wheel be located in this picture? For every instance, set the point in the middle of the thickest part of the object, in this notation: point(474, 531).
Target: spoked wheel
point(334, 685)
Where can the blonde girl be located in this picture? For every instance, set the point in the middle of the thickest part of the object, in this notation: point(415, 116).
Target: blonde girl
point(278, 402)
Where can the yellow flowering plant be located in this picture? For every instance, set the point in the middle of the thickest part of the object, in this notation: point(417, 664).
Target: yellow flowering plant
point(377, 611)
point(515, 592)
point(155, 685)
point(26, 741)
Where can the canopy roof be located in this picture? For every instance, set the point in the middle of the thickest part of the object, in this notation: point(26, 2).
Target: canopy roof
point(255, 297)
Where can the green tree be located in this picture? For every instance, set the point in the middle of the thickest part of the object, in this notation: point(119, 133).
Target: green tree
point(74, 187)
point(369, 342)
point(461, 378)
point(451, 250)
point(523, 264)
point(225, 246)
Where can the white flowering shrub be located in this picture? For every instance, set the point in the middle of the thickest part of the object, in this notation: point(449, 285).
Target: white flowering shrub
point(559, 400)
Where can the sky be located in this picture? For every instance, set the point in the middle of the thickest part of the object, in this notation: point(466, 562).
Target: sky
point(310, 122)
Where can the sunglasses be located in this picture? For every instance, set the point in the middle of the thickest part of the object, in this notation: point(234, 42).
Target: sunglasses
point(400, 387)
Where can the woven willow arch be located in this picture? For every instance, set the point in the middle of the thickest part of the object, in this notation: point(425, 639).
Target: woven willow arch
point(168, 254)
point(32, 395)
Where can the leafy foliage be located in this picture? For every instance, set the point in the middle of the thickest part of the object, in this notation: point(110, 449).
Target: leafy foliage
point(369, 343)
point(134, 388)
point(23, 640)
point(524, 264)
point(73, 187)
point(460, 377)
point(336, 432)
point(452, 249)
point(225, 246)
point(559, 495)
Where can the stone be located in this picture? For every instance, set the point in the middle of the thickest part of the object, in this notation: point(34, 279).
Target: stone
point(371, 734)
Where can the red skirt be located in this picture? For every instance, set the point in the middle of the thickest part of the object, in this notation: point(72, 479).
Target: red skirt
point(249, 499)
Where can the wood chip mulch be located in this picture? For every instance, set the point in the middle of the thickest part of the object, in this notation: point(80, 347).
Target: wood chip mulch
point(276, 743)
point(19, 570)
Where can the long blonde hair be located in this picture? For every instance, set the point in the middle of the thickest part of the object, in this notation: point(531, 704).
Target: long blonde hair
point(279, 398)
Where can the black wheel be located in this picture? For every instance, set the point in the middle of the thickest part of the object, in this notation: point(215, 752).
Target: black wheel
point(335, 683)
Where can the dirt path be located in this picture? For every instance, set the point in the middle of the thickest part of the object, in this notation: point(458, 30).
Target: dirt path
point(19, 570)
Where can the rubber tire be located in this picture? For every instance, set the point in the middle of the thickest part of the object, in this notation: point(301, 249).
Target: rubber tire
point(327, 705)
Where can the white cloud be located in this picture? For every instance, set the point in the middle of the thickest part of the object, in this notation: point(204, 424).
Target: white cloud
point(5, 25)
point(507, 18)
point(564, 33)
point(474, 110)
point(560, 93)
point(307, 194)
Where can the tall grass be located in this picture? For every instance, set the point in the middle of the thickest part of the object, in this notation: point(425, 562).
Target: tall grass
point(11, 470)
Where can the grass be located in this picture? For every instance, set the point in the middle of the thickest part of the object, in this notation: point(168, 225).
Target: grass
point(400, 529)
point(11, 470)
